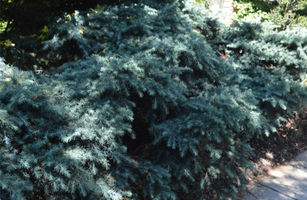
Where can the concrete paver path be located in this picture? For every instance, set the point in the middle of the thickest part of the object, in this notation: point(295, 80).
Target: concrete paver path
point(283, 183)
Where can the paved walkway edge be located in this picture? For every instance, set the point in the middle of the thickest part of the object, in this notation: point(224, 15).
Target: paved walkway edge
point(287, 182)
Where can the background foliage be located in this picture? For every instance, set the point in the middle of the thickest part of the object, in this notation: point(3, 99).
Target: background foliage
point(285, 13)
point(26, 17)
point(250, 10)
point(154, 100)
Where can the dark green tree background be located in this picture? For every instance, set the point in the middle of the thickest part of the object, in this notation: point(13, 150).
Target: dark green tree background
point(28, 16)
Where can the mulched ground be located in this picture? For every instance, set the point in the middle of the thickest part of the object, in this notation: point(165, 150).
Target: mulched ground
point(280, 147)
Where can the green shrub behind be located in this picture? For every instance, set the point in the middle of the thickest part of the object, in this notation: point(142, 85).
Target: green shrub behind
point(285, 13)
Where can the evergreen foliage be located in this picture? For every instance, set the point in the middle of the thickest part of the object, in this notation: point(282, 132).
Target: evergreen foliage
point(145, 101)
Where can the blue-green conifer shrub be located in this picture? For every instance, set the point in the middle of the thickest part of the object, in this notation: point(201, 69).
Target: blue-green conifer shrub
point(156, 102)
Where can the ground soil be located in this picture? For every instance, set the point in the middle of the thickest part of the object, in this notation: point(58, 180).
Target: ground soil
point(279, 148)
